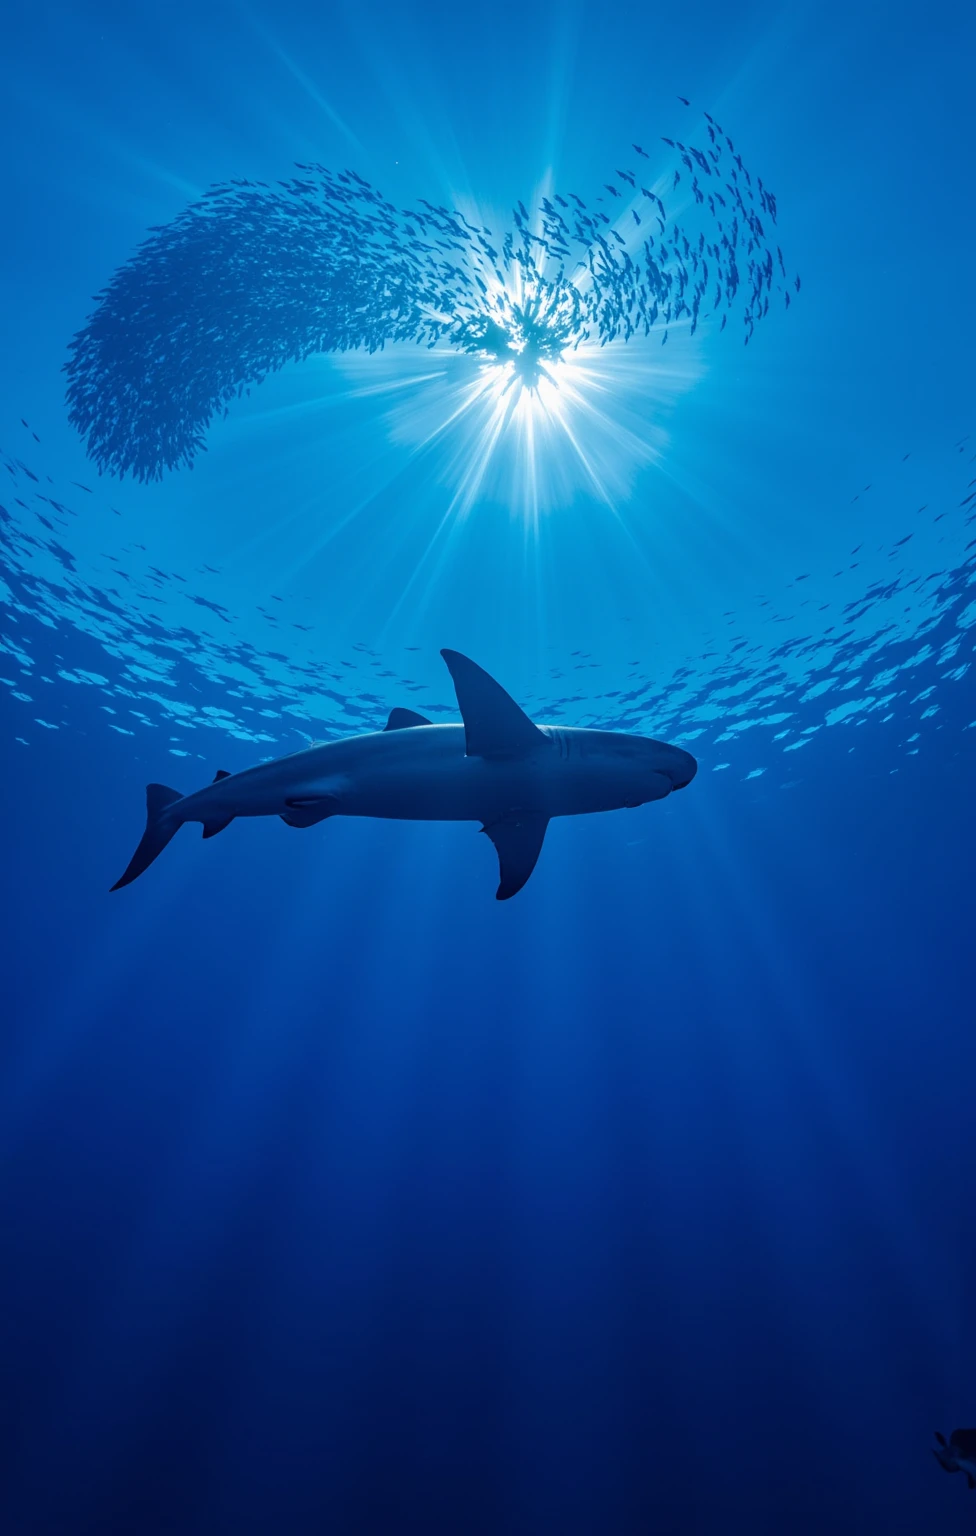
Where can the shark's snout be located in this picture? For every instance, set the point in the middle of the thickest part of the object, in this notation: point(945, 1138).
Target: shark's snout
point(671, 767)
point(681, 768)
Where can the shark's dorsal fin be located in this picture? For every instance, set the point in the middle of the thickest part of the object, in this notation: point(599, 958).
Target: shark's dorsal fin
point(222, 773)
point(494, 725)
point(518, 843)
point(404, 719)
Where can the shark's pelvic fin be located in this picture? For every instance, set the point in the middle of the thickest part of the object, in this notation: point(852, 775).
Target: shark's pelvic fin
point(309, 812)
point(494, 725)
point(157, 834)
point(211, 828)
point(403, 719)
point(518, 842)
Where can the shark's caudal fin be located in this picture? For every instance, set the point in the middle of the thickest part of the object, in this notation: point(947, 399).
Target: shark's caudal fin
point(494, 725)
point(158, 831)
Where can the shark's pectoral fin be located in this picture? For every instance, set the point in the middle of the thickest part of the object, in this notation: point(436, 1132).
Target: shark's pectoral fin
point(494, 725)
point(518, 842)
point(404, 719)
point(309, 811)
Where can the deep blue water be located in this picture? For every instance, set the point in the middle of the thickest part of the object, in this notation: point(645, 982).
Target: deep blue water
point(334, 1195)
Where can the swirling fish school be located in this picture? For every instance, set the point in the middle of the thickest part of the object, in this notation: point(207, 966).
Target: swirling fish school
point(252, 277)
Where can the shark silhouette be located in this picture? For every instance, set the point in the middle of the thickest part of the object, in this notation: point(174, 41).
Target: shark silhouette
point(958, 1454)
point(498, 768)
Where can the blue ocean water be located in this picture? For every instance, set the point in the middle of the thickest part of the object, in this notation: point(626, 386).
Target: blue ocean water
point(337, 1196)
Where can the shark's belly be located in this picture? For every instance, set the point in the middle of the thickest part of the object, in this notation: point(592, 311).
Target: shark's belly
point(462, 788)
point(420, 774)
point(459, 789)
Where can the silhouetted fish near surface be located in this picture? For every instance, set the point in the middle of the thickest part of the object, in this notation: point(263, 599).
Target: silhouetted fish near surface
point(497, 767)
point(323, 263)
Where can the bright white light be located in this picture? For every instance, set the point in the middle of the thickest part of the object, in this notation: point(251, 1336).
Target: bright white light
point(525, 411)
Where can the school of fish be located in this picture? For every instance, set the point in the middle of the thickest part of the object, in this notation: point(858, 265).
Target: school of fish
point(252, 277)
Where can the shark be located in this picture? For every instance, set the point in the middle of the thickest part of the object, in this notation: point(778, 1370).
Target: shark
point(498, 767)
point(959, 1454)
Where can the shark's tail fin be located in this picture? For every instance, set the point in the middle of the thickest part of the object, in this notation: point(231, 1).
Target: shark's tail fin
point(157, 834)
